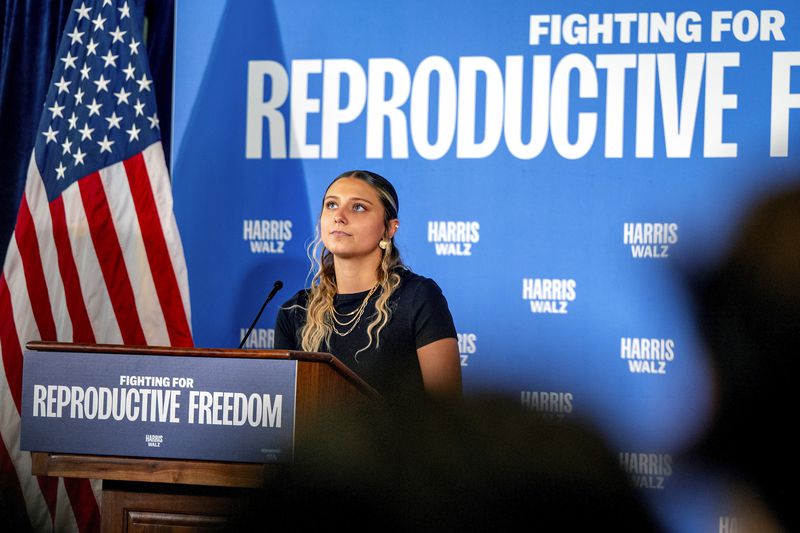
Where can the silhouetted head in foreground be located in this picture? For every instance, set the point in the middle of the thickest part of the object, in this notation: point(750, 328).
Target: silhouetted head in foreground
point(749, 309)
point(486, 465)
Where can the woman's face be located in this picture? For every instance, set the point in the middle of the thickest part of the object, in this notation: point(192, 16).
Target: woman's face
point(352, 220)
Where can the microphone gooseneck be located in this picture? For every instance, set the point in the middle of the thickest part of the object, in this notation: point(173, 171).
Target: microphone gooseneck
point(275, 288)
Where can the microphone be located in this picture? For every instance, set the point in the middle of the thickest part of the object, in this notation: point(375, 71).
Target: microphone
point(275, 288)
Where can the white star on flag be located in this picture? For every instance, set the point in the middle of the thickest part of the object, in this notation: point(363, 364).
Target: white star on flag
point(91, 46)
point(86, 132)
point(113, 120)
point(153, 121)
point(117, 35)
point(76, 36)
point(57, 110)
point(134, 46)
point(105, 144)
point(94, 107)
point(102, 83)
point(98, 22)
point(50, 135)
point(133, 132)
point(122, 96)
point(79, 157)
point(73, 121)
point(60, 169)
point(63, 86)
point(144, 83)
point(69, 61)
point(110, 59)
point(83, 11)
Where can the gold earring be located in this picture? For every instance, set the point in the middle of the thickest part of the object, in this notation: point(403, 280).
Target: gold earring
point(383, 244)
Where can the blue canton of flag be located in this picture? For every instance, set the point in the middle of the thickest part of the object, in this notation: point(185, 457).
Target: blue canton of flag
point(101, 106)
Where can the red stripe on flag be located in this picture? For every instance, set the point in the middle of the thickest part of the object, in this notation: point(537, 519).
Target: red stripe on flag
point(12, 365)
point(49, 488)
point(12, 503)
point(84, 505)
point(9, 341)
point(28, 244)
point(81, 326)
point(166, 283)
point(81, 496)
point(112, 263)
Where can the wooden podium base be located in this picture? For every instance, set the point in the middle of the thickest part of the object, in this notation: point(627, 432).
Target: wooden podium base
point(133, 507)
point(150, 507)
point(151, 495)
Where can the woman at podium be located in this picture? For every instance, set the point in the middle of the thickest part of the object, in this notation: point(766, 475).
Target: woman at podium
point(390, 326)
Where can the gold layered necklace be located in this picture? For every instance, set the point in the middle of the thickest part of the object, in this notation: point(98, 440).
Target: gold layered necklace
point(355, 314)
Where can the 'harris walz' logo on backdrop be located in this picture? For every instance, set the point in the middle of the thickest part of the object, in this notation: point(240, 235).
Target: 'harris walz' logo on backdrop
point(554, 405)
point(453, 238)
point(650, 240)
point(548, 295)
point(647, 470)
point(260, 338)
point(154, 441)
point(733, 524)
point(267, 236)
point(467, 346)
point(647, 356)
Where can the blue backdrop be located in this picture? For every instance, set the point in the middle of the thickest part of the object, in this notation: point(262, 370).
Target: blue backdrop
point(560, 171)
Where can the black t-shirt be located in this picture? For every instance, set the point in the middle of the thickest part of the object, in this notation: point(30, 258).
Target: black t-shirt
point(419, 316)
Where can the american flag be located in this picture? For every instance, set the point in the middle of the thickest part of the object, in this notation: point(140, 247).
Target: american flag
point(96, 255)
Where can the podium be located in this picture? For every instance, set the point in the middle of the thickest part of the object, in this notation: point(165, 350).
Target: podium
point(156, 494)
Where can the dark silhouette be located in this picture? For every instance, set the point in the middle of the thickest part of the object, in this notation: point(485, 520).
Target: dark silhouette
point(483, 466)
point(749, 311)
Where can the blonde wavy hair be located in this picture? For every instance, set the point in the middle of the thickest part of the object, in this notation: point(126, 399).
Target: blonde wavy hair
point(317, 331)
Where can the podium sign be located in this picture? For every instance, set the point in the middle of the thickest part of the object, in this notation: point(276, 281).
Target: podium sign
point(219, 409)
